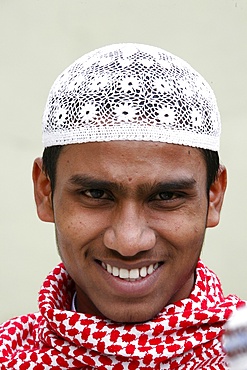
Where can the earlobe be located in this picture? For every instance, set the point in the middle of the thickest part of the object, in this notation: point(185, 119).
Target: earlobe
point(42, 192)
point(216, 197)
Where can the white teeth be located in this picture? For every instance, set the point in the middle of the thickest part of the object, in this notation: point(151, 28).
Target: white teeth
point(143, 272)
point(108, 268)
point(130, 275)
point(123, 273)
point(134, 274)
point(115, 271)
point(150, 269)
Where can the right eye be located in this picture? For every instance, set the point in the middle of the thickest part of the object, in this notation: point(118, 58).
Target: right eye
point(96, 194)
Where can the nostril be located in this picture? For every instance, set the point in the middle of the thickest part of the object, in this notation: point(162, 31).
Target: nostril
point(129, 242)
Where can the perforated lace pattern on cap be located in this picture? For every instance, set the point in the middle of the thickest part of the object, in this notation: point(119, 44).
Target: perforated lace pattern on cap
point(131, 92)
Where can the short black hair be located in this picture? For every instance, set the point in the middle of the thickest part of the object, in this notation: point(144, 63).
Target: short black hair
point(50, 158)
point(51, 154)
point(212, 164)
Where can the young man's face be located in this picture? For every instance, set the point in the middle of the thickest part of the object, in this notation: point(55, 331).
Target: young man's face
point(130, 219)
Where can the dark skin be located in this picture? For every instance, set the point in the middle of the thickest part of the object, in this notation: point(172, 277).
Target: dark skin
point(122, 209)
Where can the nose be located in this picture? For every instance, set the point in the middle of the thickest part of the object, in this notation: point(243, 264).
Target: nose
point(129, 232)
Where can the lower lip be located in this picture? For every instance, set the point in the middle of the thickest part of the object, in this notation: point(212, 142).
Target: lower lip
point(137, 288)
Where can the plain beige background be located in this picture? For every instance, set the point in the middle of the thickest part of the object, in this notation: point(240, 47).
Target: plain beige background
point(39, 38)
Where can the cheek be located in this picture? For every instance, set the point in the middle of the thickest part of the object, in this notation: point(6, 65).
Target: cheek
point(75, 230)
point(183, 230)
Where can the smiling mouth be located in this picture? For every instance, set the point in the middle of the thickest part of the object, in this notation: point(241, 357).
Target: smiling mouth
point(132, 274)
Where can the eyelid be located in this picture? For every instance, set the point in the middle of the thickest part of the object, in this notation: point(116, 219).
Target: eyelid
point(106, 194)
point(158, 194)
point(175, 195)
point(92, 190)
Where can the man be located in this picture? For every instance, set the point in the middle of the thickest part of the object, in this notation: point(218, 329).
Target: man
point(130, 176)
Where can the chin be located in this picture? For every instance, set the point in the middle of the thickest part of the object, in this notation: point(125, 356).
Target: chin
point(130, 316)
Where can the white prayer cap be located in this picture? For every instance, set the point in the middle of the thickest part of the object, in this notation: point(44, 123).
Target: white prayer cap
point(131, 92)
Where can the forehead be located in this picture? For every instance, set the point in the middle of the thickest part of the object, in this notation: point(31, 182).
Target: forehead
point(134, 159)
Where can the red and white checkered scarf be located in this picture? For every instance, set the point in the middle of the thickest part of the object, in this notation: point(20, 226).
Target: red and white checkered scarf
point(185, 335)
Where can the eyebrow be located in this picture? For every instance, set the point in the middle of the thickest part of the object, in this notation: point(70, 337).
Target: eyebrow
point(168, 186)
point(90, 182)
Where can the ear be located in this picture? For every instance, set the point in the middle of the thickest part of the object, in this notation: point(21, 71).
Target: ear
point(216, 196)
point(42, 192)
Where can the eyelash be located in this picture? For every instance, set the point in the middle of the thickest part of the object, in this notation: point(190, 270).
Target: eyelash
point(170, 196)
point(106, 195)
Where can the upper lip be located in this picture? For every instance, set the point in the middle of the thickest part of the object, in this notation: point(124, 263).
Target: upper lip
point(129, 266)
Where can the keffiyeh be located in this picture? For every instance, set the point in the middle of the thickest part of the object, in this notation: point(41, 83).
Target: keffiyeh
point(185, 335)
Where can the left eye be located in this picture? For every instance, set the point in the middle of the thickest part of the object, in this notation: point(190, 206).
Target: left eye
point(167, 195)
point(95, 193)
